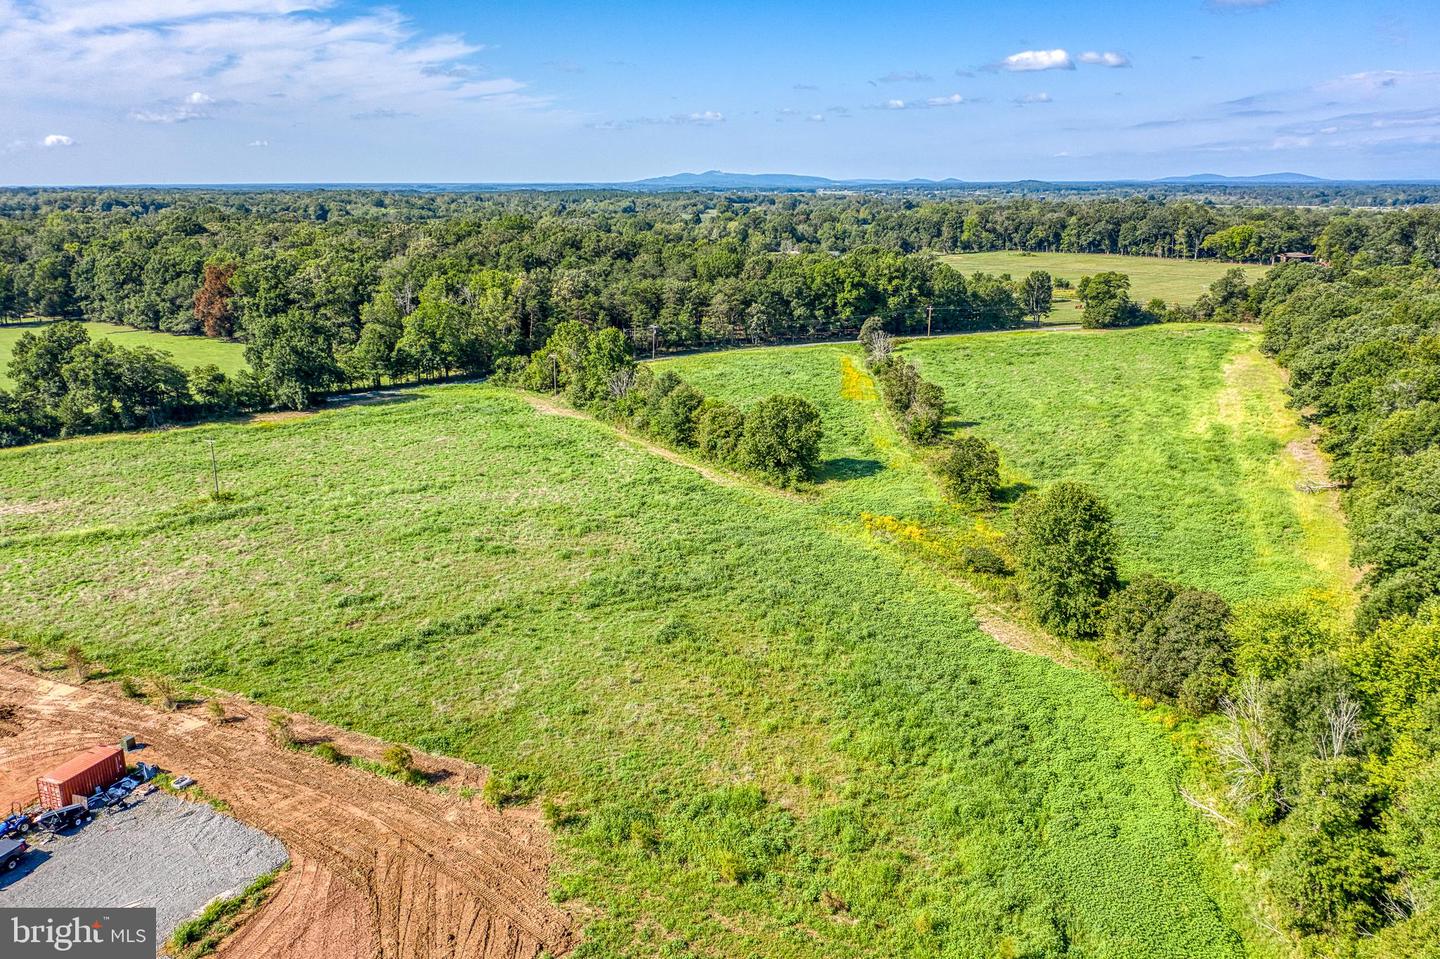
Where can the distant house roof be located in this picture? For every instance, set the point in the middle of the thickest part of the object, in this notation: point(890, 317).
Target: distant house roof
point(1292, 257)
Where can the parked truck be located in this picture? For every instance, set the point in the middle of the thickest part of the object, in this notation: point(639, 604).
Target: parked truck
point(11, 852)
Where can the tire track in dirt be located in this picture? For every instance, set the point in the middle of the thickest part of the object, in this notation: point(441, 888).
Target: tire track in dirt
point(380, 868)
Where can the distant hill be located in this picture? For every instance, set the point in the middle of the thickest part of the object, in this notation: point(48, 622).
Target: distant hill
point(719, 180)
point(1260, 178)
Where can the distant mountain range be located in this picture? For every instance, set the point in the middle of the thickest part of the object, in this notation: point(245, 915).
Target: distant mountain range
point(721, 180)
point(1261, 178)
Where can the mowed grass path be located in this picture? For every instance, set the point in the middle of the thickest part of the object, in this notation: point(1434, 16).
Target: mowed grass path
point(188, 351)
point(1183, 430)
point(1173, 280)
point(775, 737)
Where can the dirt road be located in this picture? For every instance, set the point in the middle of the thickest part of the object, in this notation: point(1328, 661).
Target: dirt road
point(379, 869)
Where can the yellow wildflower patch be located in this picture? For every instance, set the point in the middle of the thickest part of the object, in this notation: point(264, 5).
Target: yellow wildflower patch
point(855, 383)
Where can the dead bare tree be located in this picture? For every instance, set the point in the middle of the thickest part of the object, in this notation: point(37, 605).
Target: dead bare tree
point(1242, 747)
point(621, 382)
point(1342, 725)
point(881, 345)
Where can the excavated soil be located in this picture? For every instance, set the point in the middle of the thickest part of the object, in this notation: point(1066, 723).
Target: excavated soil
point(378, 868)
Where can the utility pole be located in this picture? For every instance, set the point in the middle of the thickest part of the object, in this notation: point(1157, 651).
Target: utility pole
point(929, 318)
point(554, 374)
point(214, 469)
point(654, 338)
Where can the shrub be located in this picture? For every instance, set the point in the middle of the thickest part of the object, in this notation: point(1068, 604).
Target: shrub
point(781, 438)
point(398, 760)
point(216, 709)
point(1065, 548)
point(329, 753)
point(672, 419)
point(164, 693)
point(969, 470)
point(510, 789)
point(983, 559)
point(282, 732)
point(1327, 871)
point(1169, 643)
point(78, 662)
point(898, 381)
point(925, 418)
point(129, 688)
point(1271, 636)
point(718, 430)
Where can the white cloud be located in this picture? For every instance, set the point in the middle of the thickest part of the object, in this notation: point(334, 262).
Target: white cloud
point(1038, 60)
point(168, 61)
point(57, 140)
point(705, 117)
point(1107, 58)
point(258, 143)
point(930, 103)
point(1033, 98)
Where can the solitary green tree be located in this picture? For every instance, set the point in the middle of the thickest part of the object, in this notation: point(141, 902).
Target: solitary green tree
point(1065, 545)
point(781, 438)
point(1036, 294)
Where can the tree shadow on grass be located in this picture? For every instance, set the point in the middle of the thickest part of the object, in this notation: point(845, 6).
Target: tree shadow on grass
point(848, 468)
point(1011, 492)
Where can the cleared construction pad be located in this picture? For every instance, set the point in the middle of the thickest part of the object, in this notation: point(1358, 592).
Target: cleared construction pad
point(163, 852)
point(379, 869)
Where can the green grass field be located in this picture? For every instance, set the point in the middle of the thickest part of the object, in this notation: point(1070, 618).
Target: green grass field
point(189, 351)
point(776, 736)
point(1183, 429)
point(1173, 280)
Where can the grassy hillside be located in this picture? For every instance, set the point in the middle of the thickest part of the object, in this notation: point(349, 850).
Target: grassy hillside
point(768, 735)
point(189, 351)
point(1173, 280)
point(1184, 430)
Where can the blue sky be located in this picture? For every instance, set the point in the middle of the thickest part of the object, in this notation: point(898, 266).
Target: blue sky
point(155, 91)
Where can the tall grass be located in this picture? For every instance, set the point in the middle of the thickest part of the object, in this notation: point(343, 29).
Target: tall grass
point(771, 734)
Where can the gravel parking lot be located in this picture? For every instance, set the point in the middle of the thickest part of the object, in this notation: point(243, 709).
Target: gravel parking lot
point(158, 851)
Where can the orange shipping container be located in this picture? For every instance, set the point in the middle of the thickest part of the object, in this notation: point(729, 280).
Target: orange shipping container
point(76, 780)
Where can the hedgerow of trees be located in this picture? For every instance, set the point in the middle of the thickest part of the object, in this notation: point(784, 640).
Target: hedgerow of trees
point(777, 439)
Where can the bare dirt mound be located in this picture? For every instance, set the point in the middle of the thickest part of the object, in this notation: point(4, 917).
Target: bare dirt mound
point(380, 868)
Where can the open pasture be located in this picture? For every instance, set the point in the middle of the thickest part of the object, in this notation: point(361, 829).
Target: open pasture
point(1183, 429)
point(761, 732)
point(188, 351)
point(1172, 280)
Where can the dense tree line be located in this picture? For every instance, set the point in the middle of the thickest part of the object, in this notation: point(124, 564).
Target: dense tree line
point(777, 439)
point(332, 289)
point(68, 384)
